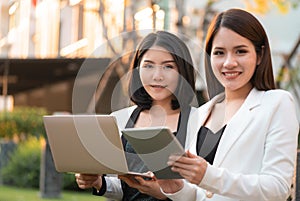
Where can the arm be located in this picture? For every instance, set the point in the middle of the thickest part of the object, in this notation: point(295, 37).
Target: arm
point(85, 181)
point(147, 186)
point(180, 189)
point(192, 168)
point(240, 176)
point(107, 186)
point(113, 188)
point(277, 127)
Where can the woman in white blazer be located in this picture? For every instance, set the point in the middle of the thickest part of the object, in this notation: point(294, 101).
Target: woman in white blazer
point(250, 129)
point(161, 84)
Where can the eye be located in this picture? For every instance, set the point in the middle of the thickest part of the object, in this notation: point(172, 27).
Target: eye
point(241, 51)
point(218, 52)
point(168, 67)
point(148, 66)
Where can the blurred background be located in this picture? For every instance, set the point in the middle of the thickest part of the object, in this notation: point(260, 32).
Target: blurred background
point(43, 43)
point(46, 44)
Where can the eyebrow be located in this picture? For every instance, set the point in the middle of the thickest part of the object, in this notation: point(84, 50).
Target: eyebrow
point(241, 46)
point(166, 61)
point(235, 47)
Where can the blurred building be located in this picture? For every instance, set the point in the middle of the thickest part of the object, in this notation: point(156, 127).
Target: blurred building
point(39, 33)
point(44, 44)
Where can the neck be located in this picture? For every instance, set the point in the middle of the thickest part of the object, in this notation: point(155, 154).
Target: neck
point(158, 110)
point(165, 107)
point(240, 94)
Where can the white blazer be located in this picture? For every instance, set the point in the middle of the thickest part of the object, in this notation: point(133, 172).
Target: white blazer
point(114, 189)
point(256, 156)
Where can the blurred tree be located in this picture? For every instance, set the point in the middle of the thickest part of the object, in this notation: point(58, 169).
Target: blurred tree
point(262, 6)
point(22, 122)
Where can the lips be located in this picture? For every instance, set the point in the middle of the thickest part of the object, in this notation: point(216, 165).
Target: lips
point(158, 86)
point(231, 75)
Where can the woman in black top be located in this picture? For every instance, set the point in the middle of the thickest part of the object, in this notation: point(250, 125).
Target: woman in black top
point(162, 85)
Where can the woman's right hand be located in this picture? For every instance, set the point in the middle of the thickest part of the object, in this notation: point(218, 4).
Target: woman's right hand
point(170, 185)
point(85, 181)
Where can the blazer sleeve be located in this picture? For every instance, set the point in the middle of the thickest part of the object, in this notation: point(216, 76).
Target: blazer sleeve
point(113, 188)
point(189, 192)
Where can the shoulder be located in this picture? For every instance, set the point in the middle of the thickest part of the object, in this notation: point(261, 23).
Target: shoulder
point(280, 93)
point(270, 100)
point(124, 111)
point(279, 96)
point(281, 107)
point(281, 102)
point(123, 115)
point(210, 103)
point(193, 109)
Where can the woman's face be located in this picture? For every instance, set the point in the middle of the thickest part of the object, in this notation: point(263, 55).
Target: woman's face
point(233, 60)
point(159, 74)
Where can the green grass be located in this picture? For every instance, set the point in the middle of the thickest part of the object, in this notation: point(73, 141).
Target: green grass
point(22, 194)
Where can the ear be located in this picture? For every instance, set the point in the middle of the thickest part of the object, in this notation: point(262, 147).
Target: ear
point(259, 56)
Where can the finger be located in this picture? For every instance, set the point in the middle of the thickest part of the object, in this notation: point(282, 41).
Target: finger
point(151, 175)
point(190, 165)
point(130, 181)
point(123, 177)
point(193, 174)
point(83, 184)
point(140, 180)
point(87, 176)
point(174, 158)
point(193, 160)
point(183, 172)
point(88, 179)
point(195, 166)
point(190, 155)
point(181, 161)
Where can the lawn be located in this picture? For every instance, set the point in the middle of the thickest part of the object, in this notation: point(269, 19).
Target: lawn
point(21, 194)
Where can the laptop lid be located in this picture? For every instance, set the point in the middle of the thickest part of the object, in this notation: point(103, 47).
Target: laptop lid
point(85, 144)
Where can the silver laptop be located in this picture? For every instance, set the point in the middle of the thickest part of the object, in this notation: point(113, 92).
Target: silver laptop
point(85, 144)
point(92, 144)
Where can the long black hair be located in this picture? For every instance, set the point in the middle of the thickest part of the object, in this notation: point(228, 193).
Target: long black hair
point(185, 90)
point(246, 25)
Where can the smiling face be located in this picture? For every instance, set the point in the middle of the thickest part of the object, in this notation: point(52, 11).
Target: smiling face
point(233, 60)
point(159, 74)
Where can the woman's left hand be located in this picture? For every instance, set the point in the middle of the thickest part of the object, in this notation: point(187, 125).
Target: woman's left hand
point(190, 166)
point(146, 185)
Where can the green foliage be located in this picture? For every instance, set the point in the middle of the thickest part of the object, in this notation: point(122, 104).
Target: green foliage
point(22, 122)
point(295, 3)
point(69, 182)
point(8, 193)
point(23, 168)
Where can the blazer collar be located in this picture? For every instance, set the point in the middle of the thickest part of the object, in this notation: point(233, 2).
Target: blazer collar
point(253, 99)
point(238, 123)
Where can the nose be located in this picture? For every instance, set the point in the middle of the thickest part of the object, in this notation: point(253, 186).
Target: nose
point(230, 61)
point(158, 74)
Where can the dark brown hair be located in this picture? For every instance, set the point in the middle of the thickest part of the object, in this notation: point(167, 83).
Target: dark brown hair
point(184, 92)
point(246, 25)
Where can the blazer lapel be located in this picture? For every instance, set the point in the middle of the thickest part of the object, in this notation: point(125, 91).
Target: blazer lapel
point(237, 125)
point(197, 119)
